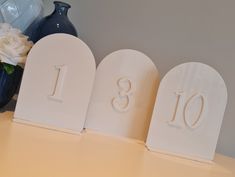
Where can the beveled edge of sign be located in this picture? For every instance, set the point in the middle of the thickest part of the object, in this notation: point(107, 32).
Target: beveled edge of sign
point(64, 130)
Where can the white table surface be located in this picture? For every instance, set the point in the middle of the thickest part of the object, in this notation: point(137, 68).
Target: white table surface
point(27, 151)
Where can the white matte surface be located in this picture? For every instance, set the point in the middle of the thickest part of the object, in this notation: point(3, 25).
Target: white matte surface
point(188, 112)
point(57, 83)
point(27, 151)
point(124, 94)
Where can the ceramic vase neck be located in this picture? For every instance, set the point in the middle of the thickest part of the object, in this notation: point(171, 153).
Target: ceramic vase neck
point(61, 8)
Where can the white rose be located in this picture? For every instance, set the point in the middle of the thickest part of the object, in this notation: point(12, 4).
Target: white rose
point(14, 46)
point(6, 28)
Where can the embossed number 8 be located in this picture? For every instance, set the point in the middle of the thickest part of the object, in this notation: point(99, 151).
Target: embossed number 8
point(122, 102)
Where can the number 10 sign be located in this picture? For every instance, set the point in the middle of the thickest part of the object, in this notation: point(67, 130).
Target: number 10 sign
point(188, 112)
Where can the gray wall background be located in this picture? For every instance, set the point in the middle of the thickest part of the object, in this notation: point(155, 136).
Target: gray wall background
point(170, 32)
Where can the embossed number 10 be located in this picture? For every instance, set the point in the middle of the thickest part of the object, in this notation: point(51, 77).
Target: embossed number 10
point(181, 116)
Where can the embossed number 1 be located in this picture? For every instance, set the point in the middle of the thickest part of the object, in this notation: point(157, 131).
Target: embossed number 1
point(57, 93)
point(180, 118)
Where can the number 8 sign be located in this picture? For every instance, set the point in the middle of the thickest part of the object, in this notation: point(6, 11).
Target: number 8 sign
point(188, 113)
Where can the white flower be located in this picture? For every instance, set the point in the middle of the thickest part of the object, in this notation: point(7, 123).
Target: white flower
point(14, 46)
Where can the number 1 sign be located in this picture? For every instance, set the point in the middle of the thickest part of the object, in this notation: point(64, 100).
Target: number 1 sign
point(188, 112)
point(57, 84)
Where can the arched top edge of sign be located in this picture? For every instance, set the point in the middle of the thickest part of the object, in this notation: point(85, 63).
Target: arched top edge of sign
point(197, 63)
point(61, 37)
point(107, 57)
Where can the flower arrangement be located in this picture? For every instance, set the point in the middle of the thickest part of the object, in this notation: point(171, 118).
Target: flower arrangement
point(14, 47)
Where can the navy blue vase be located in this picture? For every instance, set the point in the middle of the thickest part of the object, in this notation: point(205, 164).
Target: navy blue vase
point(9, 84)
point(57, 22)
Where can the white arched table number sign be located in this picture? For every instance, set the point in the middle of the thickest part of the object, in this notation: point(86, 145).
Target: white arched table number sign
point(57, 84)
point(123, 96)
point(188, 112)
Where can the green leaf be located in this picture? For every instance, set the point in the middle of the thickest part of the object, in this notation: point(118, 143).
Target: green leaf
point(8, 68)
